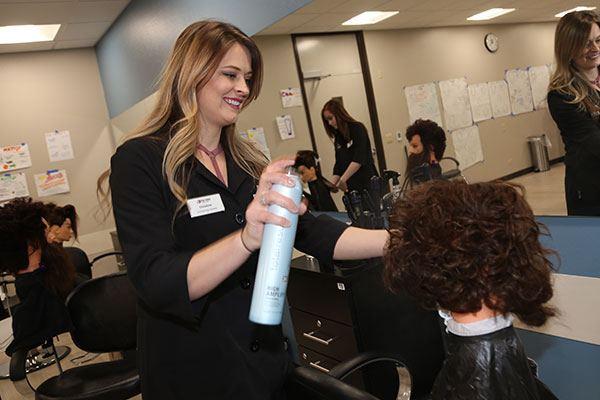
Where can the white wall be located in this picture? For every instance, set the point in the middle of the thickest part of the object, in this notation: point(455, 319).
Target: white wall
point(44, 91)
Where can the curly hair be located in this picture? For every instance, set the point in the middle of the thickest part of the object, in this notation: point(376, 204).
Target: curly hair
point(431, 134)
point(57, 215)
point(22, 231)
point(457, 246)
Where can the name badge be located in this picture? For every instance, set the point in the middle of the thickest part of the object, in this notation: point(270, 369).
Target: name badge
point(199, 206)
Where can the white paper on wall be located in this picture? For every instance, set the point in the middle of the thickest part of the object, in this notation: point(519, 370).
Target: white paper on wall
point(423, 103)
point(519, 90)
point(467, 146)
point(499, 98)
point(291, 97)
point(285, 126)
point(539, 78)
point(59, 145)
point(257, 136)
point(455, 99)
point(54, 181)
point(14, 157)
point(479, 97)
point(13, 185)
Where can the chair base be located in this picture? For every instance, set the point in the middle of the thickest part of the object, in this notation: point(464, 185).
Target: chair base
point(36, 360)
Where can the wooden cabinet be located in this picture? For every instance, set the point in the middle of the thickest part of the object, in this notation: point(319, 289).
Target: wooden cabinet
point(339, 311)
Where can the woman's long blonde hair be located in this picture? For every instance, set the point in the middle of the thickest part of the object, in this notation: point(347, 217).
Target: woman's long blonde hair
point(193, 61)
point(570, 39)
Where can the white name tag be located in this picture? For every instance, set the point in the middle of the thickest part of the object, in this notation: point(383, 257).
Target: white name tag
point(204, 205)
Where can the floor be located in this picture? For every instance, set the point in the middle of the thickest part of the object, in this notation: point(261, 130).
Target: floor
point(544, 191)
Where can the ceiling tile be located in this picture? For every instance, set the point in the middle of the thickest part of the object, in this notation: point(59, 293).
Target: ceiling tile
point(94, 11)
point(35, 13)
point(88, 30)
point(22, 47)
point(319, 6)
point(74, 44)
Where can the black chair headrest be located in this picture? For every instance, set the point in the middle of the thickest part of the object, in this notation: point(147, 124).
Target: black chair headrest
point(103, 313)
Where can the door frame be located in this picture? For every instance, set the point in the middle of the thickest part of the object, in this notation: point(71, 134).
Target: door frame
point(369, 92)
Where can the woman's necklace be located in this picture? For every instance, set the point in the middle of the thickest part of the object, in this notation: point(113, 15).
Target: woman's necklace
point(596, 81)
point(213, 159)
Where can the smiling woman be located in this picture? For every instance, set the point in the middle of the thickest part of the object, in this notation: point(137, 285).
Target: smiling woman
point(574, 102)
point(182, 192)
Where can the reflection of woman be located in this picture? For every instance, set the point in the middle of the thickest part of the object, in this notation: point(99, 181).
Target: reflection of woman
point(574, 102)
point(62, 222)
point(354, 165)
point(182, 192)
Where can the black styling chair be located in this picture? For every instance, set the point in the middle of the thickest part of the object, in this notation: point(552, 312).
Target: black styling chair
point(82, 263)
point(103, 314)
point(306, 383)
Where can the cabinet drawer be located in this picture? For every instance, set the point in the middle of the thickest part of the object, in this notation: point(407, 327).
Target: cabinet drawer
point(319, 294)
point(327, 337)
point(312, 359)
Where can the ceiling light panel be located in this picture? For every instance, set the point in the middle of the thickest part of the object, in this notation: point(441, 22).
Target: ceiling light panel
point(370, 17)
point(27, 33)
point(489, 14)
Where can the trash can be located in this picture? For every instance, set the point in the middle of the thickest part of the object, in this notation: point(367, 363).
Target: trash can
point(538, 146)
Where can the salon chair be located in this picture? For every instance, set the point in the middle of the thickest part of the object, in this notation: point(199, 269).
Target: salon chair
point(43, 353)
point(305, 383)
point(103, 315)
point(81, 261)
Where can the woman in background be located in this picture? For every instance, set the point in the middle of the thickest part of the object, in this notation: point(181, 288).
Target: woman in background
point(319, 198)
point(62, 222)
point(574, 103)
point(354, 164)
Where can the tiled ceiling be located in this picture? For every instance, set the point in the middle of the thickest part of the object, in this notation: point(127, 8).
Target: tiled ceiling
point(83, 22)
point(328, 15)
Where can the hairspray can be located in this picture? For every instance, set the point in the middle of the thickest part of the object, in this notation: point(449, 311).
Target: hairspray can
point(274, 259)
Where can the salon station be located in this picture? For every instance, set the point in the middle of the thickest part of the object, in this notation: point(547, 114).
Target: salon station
point(427, 123)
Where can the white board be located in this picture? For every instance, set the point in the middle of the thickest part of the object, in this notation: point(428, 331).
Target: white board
point(499, 98)
point(455, 99)
point(519, 90)
point(467, 146)
point(539, 78)
point(479, 97)
point(423, 103)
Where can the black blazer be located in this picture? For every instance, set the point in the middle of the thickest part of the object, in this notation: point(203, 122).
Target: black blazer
point(206, 348)
point(580, 133)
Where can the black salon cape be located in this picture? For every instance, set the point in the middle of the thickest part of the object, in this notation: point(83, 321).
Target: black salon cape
point(40, 314)
point(207, 348)
point(357, 149)
point(580, 133)
point(487, 367)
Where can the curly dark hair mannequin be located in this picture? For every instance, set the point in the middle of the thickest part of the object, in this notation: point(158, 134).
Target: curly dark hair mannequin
point(459, 246)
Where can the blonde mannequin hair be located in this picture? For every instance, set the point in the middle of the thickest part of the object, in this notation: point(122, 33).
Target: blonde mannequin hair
point(193, 61)
point(570, 39)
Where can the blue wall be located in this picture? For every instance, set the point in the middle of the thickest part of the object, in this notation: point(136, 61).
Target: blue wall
point(131, 54)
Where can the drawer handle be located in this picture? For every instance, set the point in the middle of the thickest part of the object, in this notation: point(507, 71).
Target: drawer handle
point(317, 366)
point(310, 336)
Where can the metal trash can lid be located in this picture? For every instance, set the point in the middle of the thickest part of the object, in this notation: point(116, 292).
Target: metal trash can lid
point(535, 138)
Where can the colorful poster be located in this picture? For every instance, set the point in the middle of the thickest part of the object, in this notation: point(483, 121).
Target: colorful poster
point(59, 145)
point(257, 136)
point(13, 185)
point(14, 157)
point(285, 125)
point(52, 182)
point(291, 97)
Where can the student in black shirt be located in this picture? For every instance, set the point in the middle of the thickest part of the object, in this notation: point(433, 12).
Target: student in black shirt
point(354, 164)
point(319, 198)
point(574, 103)
point(190, 198)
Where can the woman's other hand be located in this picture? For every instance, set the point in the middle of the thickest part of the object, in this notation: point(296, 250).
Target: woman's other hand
point(257, 213)
point(342, 185)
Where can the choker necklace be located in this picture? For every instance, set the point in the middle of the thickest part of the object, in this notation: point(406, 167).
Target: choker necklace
point(213, 159)
point(596, 81)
